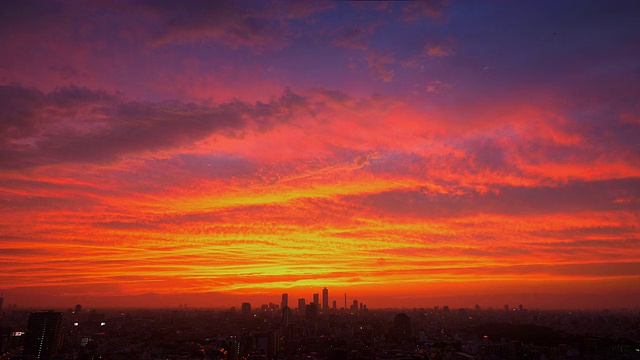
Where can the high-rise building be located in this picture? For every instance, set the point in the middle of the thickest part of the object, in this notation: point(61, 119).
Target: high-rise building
point(285, 301)
point(301, 306)
point(335, 305)
point(354, 306)
point(311, 311)
point(44, 332)
point(286, 317)
point(246, 309)
point(316, 299)
point(402, 327)
point(325, 299)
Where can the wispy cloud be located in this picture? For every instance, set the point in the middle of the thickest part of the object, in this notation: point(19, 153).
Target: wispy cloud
point(265, 26)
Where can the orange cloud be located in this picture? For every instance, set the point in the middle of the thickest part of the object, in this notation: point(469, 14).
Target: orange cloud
point(454, 211)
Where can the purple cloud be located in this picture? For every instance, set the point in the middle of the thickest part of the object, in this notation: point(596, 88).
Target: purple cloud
point(75, 124)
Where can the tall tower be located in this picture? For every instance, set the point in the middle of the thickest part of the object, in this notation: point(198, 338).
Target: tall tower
point(325, 299)
point(402, 327)
point(44, 331)
point(285, 301)
point(246, 309)
point(286, 317)
point(316, 300)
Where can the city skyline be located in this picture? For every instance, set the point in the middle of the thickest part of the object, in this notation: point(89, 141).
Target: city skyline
point(265, 332)
point(341, 302)
point(420, 153)
point(300, 302)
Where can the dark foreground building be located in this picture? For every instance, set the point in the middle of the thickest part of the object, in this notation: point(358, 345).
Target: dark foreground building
point(44, 331)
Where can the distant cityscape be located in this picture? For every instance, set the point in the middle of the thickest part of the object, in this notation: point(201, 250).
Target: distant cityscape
point(317, 329)
point(319, 179)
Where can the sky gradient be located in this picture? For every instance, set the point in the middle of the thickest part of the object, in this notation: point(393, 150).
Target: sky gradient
point(409, 153)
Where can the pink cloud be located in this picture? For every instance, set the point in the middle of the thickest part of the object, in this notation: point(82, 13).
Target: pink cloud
point(380, 63)
point(415, 10)
point(264, 27)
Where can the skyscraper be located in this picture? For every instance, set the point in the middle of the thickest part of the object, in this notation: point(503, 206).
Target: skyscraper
point(301, 306)
point(312, 311)
point(246, 309)
point(316, 300)
point(325, 299)
point(402, 327)
point(285, 301)
point(286, 317)
point(44, 331)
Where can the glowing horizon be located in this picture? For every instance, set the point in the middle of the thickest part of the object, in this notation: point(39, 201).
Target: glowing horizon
point(398, 151)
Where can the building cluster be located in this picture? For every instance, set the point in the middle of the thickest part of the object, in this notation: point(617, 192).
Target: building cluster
point(318, 330)
point(310, 310)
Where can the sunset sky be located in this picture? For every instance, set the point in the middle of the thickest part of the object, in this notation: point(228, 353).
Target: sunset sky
point(155, 153)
